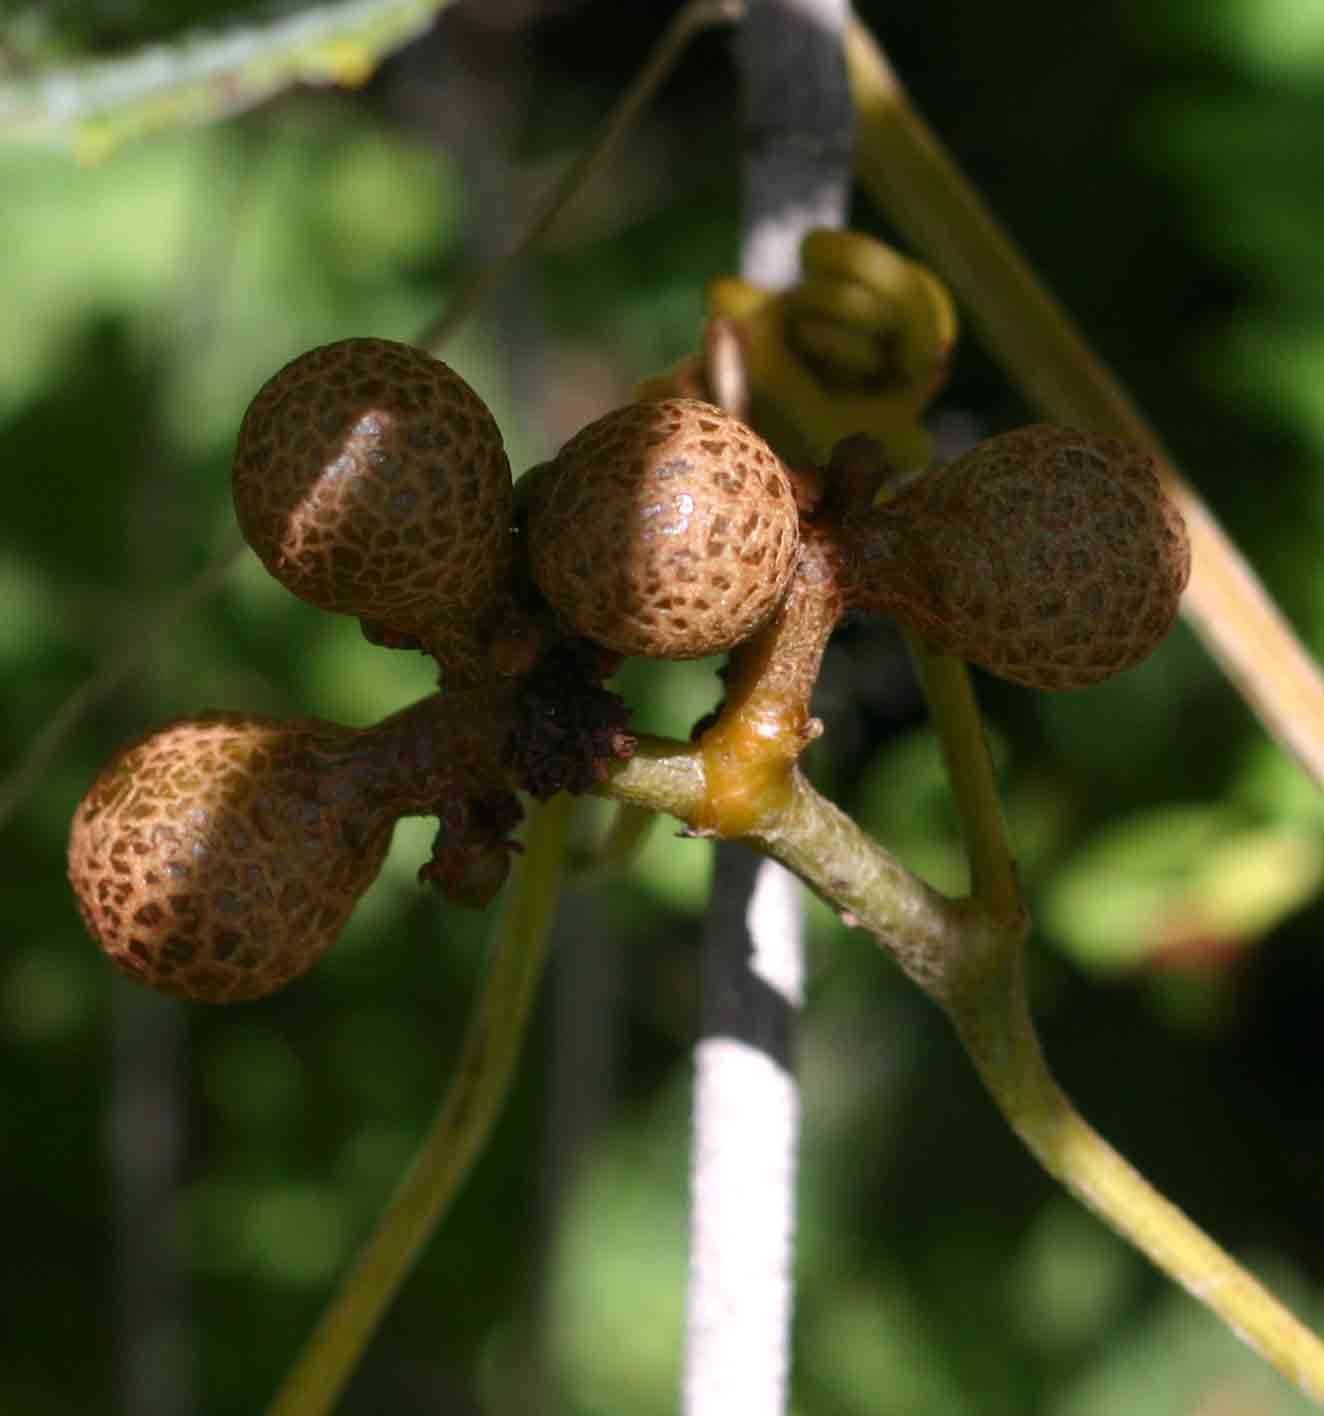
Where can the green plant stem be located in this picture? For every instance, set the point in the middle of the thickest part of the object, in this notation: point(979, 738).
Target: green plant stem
point(468, 1113)
point(929, 935)
point(971, 964)
point(916, 183)
point(995, 1026)
point(956, 720)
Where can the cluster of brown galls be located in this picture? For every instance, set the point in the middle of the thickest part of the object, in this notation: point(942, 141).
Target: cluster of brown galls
point(218, 857)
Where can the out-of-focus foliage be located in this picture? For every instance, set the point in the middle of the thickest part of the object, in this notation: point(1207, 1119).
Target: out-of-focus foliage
point(86, 86)
point(1155, 162)
point(40, 32)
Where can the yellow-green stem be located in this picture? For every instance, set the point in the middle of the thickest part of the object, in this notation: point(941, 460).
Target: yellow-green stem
point(970, 962)
point(914, 180)
point(960, 730)
point(468, 1112)
point(995, 1027)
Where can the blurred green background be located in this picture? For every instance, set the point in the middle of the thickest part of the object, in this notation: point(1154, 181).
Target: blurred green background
point(181, 1185)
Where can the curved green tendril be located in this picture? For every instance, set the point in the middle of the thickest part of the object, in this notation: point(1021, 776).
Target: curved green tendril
point(468, 1113)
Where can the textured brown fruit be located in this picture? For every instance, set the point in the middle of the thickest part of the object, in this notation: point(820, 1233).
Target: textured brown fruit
point(219, 857)
point(371, 480)
point(1051, 557)
point(667, 529)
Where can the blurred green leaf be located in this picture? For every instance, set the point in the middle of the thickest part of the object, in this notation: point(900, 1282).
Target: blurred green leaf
point(1179, 884)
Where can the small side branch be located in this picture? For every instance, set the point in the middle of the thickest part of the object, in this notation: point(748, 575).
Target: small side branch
point(203, 76)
